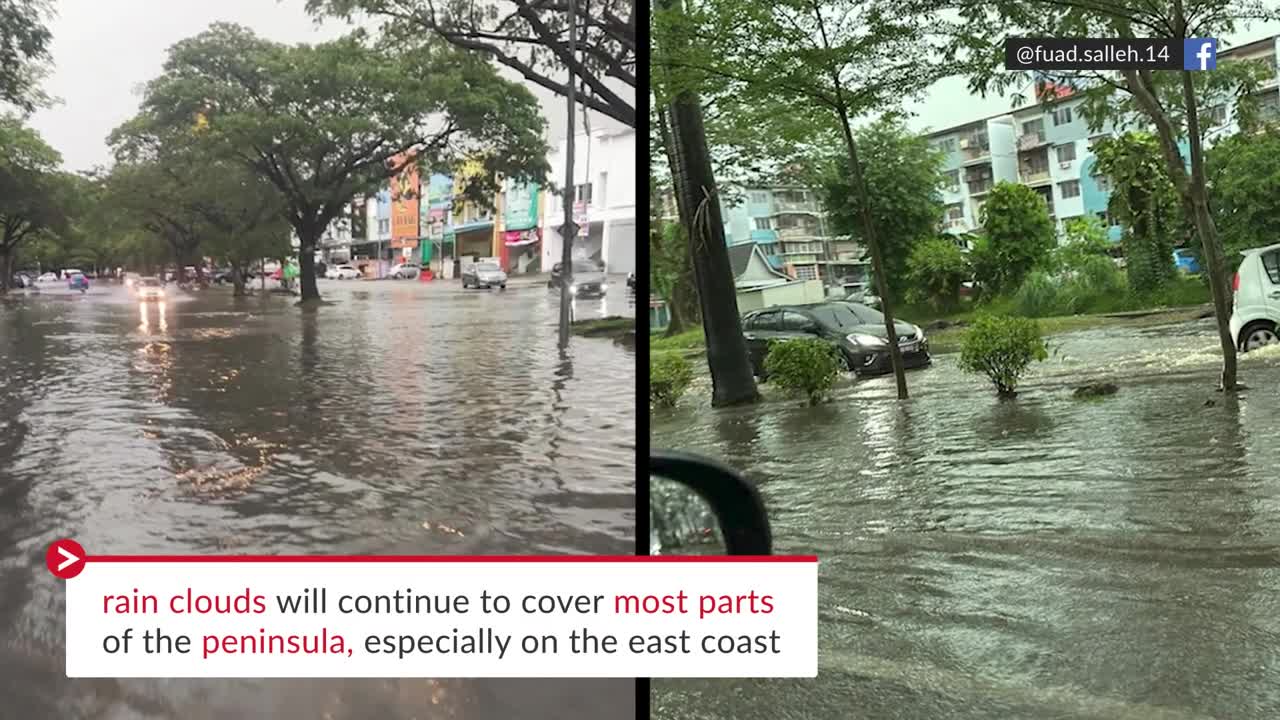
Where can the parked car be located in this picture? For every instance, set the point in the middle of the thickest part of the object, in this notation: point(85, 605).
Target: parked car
point(342, 272)
point(21, 280)
point(1186, 260)
point(483, 275)
point(47, 278)
point(588, 279)
point(149, 288)
point(403, 271)
point(1255, 307)
point(77, 281)
point(856, 330)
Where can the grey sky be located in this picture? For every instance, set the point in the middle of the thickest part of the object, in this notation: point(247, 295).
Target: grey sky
point(104, 50)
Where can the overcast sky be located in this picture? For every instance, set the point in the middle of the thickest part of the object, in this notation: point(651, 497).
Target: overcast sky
point(104, 50)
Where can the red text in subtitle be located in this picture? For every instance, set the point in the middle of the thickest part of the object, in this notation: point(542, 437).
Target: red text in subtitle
point(679, 603)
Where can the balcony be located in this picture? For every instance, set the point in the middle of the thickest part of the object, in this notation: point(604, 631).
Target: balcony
point(1028, 141)
point(764, 236)
point(980, 187)
point(798, 233)
point(803, 206)
point(1034, 177)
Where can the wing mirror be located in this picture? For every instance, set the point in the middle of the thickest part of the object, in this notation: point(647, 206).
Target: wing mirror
point(700, 507)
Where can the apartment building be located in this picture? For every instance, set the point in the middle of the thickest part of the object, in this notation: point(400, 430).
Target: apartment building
point(1050, 150)
point(792, 230)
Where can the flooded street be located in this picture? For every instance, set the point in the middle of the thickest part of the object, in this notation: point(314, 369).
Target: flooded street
point(1042, 558)
point(401, 418)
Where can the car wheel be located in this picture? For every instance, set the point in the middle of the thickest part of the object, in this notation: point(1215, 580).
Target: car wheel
point(845, 363)
point(503, 286)
point(1256, 335)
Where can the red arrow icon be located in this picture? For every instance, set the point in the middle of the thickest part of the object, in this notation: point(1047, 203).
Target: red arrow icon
point(65, 558)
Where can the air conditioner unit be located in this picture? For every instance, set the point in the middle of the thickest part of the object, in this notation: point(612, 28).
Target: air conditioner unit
point(964, 143)
point(1064, 165)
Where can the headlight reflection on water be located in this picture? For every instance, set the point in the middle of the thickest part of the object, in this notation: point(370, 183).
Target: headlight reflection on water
point(145, 314)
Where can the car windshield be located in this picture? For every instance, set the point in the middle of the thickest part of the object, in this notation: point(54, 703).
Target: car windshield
point(585, 268)
point(835, 316)
point(866, 314)
point(487, 267)
point(149, 282)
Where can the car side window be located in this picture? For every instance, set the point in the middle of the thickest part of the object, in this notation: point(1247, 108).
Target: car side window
point(795, 322)
point(1271, 261)
point(765, 321)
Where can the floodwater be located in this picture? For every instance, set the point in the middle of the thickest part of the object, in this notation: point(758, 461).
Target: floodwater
point(402, 418)
point(1041, 558)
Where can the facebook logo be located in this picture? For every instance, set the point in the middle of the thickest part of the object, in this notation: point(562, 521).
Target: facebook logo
point(1199, 54)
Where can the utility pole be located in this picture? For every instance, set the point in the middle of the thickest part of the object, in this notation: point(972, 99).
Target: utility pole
point(568, 230)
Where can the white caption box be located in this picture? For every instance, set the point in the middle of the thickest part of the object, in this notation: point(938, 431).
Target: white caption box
point(731, 641)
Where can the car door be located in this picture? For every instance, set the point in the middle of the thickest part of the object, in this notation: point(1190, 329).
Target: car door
point(797, 325)
point(759, 328)
point(1270, 282)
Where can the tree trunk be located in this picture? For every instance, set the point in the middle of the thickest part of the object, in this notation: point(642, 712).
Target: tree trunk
point(1198, 197)
point(307, 265)
point(237, 279)
point(1194, 196)
point(873, 244)
point(731, 379)
point(6, 269)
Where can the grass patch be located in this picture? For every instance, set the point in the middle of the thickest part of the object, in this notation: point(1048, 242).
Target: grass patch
point(688, 340)
point(613, 326)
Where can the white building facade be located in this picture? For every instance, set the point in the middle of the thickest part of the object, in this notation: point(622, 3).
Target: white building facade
point(604, 201)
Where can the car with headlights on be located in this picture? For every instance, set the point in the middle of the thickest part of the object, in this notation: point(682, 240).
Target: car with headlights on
point(857, 331)
point(484, 275)
point(588, 279)
point(149, 289)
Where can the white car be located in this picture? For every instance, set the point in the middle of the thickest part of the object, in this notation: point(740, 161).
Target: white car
point(48, 278)
point(149, 288)
point(403, 270)
point(342, 272)
point(1255, 307)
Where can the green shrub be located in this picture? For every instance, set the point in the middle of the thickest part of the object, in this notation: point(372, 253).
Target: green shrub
point(1039, 296)
point(807, 367)
point(669, 376)
point(937, 267)
point(1002, 348)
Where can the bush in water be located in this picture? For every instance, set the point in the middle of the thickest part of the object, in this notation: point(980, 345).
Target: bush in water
point(669, 376)
point(806, 367)
point(1002, 348)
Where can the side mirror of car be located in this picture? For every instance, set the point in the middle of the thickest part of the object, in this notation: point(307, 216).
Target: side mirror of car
point(700, 507)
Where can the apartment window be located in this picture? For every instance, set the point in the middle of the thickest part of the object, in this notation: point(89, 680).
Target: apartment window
point(952, 179)
point(1033, 127)
point(955, 212)
point(947, 145)
point(1066, 153)
point(1061, 116)
point(763, 223)
point(759, 198)
point(807, 272)
point(1070, 188)
point(582, 193)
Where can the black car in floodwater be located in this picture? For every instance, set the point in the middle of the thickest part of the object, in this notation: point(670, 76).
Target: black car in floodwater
point(857, 331)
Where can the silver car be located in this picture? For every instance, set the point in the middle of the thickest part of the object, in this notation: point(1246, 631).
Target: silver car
point(484, 275)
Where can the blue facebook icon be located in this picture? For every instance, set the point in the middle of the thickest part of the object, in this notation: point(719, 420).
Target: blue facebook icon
point(1199, 54)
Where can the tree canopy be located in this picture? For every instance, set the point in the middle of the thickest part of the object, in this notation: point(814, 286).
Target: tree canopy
point(24, 48)
point(528, 37)
point(323, 123)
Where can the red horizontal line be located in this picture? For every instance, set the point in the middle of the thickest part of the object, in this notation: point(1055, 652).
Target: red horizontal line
point(451, 558)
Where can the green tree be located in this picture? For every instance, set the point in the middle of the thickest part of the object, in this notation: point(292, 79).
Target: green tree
point(1017, 237)
point(326, 122)
point(1146, 202)
point(33, 193)
point(24, 49)
point(158, 195)
point(905, 208)
point(1177, 105)
point(937, 267)
point(1002, 348)
point(528, 37)
point(1084, 238)
point(1242, 171)
point(825, 60)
